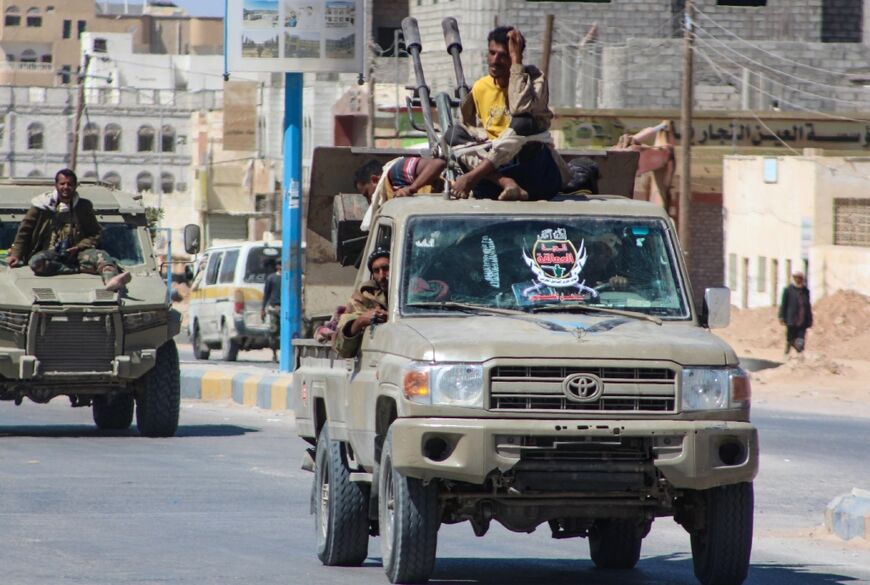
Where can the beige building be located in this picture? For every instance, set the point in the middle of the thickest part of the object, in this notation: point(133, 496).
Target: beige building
point(39, 39)
point(808, 213)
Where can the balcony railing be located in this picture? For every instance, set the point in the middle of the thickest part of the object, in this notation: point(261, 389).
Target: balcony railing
point(26, 66)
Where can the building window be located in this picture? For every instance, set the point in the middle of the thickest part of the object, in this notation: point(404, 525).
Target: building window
point(67, 29)
point(852, 222)
point(34, 17)
point(34, 173)
point(386, 39)
point(762, 274)
point(100, 46)
point(732, 271)
point(91, 137)
point(167, 183)
point(28, 56)
point(113, 179)
point(167, 139)
point(144, 181)
point(35, 136)
point(89, 176)
point(842, 21)
point(13, 18)
point(82, 27)
point(145, 139)
point(65, 74)
point(46, 58)
point(112, 138)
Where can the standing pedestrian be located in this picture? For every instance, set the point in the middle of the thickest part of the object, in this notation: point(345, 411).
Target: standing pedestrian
point(271, 310)
point(796, 313)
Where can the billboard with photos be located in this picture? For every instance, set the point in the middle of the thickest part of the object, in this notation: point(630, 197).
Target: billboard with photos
point(294, 35)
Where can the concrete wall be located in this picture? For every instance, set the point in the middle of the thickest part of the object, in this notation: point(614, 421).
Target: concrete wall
point(790, 221)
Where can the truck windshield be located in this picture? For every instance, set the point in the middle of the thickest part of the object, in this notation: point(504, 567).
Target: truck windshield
point(531, 262)
point(119, 240)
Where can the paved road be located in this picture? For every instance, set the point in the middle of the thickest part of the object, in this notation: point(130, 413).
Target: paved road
point(259, 360)
point(226, 503)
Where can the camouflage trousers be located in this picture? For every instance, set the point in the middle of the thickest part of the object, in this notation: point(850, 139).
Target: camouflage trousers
point(88, 261)
point(273, 320)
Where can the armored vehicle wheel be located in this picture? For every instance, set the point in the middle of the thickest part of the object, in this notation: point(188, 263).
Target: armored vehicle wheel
point(229, 346)
point(615, 543)
point(721, 549)
point(158, 396)
point(200, 349)
point(341, 507)
point(113, 413)
point(409, 519)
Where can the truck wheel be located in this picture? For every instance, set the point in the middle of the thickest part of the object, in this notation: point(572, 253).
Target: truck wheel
point(113, 414)
point(200, 349)
point(341, 508)
point(721, 549)
point(158, 397)
point(409, 518)
point(615, 544)
point(229, 346)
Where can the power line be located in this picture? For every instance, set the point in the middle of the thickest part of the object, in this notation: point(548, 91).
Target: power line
point(768, 67)
point(780, 57)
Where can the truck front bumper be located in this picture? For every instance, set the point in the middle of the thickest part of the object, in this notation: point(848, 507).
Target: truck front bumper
point(689, 454)
point(18, 366)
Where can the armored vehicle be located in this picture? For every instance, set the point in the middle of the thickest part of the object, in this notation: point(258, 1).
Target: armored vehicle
point(66, 335)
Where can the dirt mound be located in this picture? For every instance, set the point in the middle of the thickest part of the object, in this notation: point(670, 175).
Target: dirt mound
point(841, 329)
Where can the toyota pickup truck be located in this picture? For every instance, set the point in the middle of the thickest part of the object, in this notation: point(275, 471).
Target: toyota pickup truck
point(542, 363)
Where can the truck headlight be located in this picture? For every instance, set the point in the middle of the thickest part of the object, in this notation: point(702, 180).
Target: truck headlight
point(715, 388)
point(449, 384)
point(140, 320)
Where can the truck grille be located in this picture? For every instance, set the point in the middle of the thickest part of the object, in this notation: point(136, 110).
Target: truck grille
point(75, 342)
point(540, 389)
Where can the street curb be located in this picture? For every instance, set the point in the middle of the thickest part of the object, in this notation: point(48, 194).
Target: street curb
point(269, 391)
point(848, 515)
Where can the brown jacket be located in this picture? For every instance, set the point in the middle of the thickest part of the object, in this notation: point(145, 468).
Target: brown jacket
point(367, 296)
point(527, 93)
point(34, 233)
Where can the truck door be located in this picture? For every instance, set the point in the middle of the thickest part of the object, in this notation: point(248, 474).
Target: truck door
point(364, 384)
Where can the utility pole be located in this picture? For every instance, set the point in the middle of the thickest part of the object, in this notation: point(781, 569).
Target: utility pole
point(80, 107)
point(686, 126)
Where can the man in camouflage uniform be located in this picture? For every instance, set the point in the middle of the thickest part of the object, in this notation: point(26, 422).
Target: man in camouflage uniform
point(60, 234)
point(367, 306)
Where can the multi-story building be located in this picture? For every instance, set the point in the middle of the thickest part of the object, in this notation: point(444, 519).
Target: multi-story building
point(40, 40)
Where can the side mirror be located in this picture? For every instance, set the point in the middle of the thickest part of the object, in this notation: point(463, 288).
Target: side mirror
point(716, 313)
point(191, 238)
point(348, 240)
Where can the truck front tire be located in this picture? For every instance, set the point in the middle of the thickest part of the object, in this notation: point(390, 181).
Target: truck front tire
point(615, 543)
point(158, 396)
point(409, 519)
point(341, 507)
point(113, 413)
point(721, 549)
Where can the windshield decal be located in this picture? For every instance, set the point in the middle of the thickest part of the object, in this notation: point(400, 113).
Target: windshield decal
point(556, 263)
point(490, 262)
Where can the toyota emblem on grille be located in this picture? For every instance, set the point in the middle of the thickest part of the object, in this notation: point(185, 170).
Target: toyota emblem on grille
point(582, 387)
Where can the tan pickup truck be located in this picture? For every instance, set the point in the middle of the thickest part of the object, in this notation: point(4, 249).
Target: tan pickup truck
point(542, 363)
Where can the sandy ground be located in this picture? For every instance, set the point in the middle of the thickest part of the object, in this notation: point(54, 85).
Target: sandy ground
point(831, 376)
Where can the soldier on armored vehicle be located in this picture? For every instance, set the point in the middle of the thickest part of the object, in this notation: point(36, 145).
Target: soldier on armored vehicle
point(60, 234)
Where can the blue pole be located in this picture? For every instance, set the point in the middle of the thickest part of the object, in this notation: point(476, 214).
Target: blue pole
point(291, 219)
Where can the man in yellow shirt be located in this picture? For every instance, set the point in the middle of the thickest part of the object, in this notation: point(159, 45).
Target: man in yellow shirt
point(512, 101)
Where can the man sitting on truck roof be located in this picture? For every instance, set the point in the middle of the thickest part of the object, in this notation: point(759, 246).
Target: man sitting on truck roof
point(366, 307)
point(406, 176)
point(60, 233)
point(510, 103)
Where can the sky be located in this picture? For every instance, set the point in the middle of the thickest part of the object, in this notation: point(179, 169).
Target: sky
point(196, 7)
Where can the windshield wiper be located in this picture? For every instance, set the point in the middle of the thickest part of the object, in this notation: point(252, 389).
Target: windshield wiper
point(464, 307)
point(559, 307)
